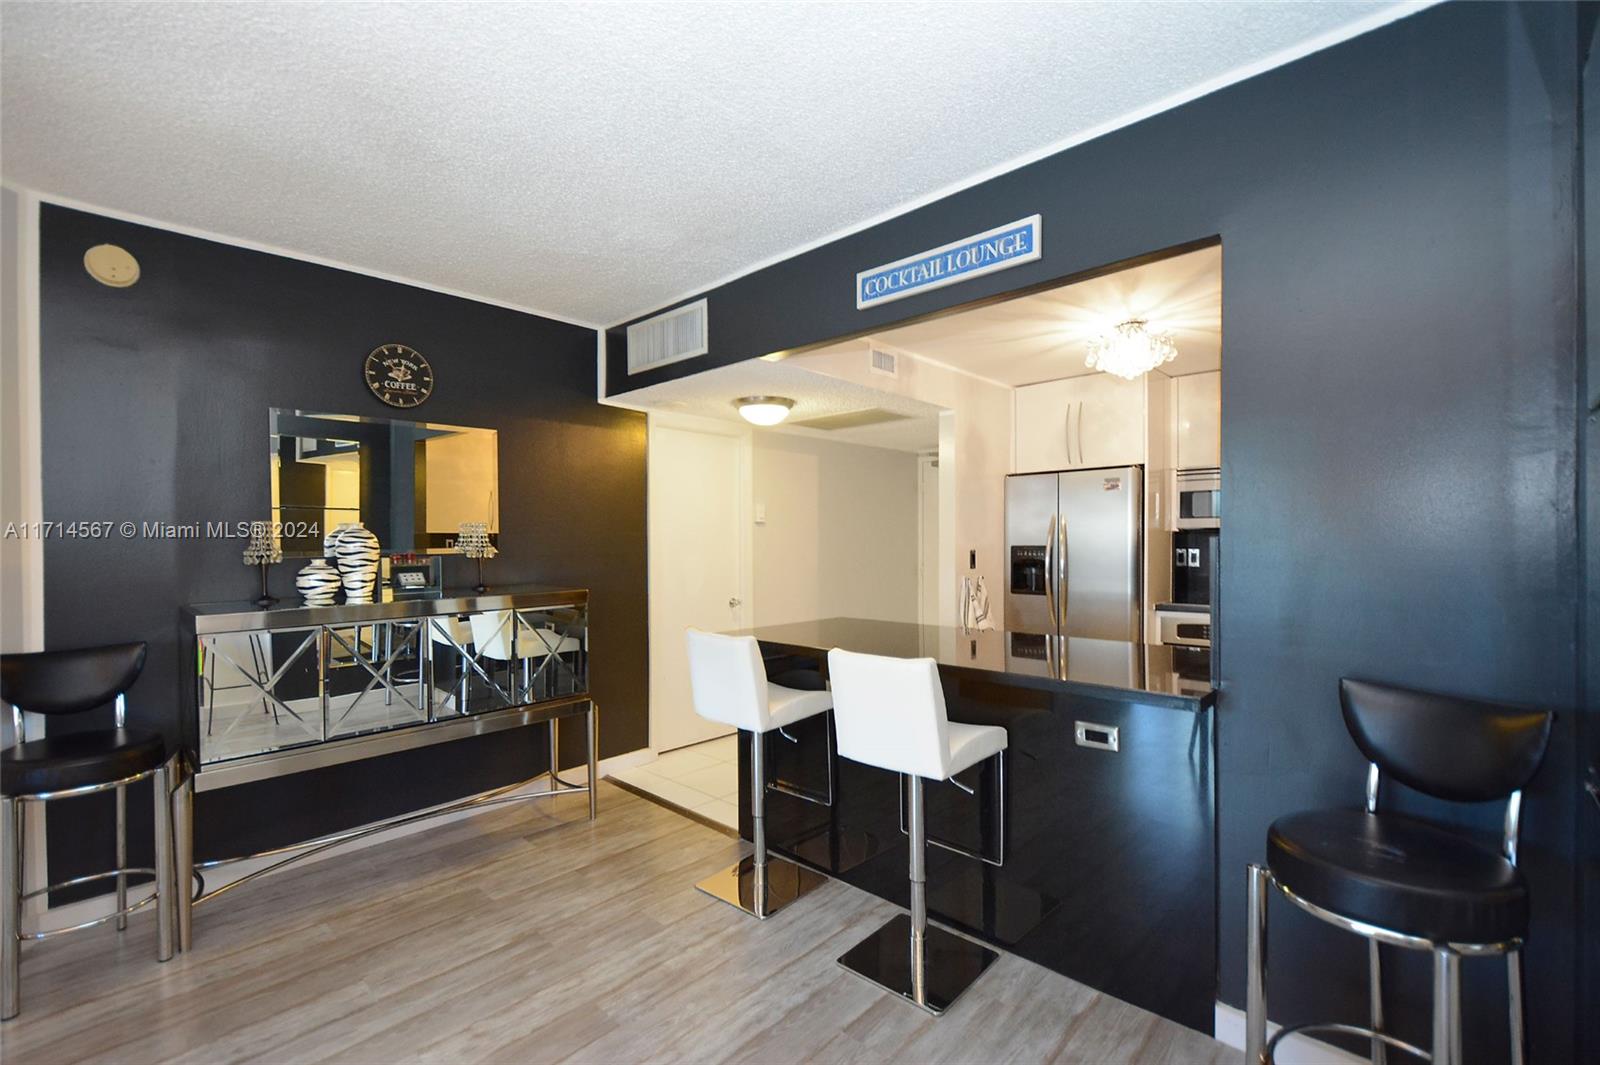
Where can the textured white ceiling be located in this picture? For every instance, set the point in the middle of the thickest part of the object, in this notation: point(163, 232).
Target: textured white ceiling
point(592, 161)
point(711, 395)
point(1044, 337)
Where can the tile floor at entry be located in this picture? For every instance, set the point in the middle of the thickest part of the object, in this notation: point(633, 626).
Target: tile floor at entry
point(703, 778)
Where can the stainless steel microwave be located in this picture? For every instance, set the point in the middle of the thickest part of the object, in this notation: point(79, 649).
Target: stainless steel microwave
point(1199, 499)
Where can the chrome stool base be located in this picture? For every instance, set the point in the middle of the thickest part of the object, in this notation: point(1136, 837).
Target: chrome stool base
point(740, 886)
point(949, 963)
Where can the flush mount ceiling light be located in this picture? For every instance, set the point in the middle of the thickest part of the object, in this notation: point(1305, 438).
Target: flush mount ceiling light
point(764, 410)
point(111, 265)
point(1130, 350)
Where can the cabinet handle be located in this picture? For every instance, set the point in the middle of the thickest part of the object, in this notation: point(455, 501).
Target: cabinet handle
point(1080, 431)
point(1069, 434)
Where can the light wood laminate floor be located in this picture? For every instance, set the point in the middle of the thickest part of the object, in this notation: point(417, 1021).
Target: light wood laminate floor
point(528, 934)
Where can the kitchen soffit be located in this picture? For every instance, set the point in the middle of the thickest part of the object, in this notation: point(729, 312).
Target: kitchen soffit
point(1043, 337)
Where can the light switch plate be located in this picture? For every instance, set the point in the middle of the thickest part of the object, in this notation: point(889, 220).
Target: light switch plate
point(761, 513)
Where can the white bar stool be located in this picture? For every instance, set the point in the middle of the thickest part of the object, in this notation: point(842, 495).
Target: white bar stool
point(730, 686)
point(890, 713)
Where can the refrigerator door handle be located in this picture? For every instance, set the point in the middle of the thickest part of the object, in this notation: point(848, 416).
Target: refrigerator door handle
point(1049, 571)
point(1061, 577)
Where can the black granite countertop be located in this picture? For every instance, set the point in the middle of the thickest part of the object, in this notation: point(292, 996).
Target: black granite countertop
point(1114, 669)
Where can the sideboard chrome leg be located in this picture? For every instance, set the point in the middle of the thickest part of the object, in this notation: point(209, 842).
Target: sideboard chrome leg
point(183, 852)
point(592, 718)
point(166, 868)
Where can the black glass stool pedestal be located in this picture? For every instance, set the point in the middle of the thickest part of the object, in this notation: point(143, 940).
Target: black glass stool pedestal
point(761, 893)
point(948, 964)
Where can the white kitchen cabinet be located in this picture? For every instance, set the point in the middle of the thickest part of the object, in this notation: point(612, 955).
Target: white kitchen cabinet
point(1079, 422)
point(1199, 417)
point(1040, 421)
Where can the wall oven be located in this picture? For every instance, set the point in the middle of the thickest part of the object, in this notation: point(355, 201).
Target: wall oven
point(1199, 499)
point(1184, 625)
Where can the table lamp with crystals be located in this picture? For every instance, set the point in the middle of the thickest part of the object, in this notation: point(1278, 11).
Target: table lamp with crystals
point(263, 551)
point(473, 541)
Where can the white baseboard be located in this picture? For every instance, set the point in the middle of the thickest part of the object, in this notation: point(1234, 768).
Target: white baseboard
point(1229, 1028)
point(88, 909)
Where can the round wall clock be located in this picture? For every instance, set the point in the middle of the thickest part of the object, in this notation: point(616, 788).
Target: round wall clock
point(399, 375)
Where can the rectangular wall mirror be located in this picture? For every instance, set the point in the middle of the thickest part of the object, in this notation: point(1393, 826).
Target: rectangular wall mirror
point(411, 483)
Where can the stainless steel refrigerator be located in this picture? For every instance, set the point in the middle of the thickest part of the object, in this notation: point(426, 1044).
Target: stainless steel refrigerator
point(1073, 543)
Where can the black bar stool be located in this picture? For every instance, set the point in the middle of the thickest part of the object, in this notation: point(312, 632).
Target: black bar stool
point(1401, 881)
point(81, 763)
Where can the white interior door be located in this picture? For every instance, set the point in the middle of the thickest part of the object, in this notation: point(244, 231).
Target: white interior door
point(928, 540)
point(699, 562)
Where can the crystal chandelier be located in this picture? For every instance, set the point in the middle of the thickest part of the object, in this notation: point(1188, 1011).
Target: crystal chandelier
point(1130, 350)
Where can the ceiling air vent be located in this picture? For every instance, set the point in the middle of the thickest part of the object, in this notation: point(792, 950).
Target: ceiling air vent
point(883, 362)
point(681, 333)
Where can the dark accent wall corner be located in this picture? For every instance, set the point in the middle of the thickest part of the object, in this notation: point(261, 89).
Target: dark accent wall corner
point(154, 405)
point(1398, 228)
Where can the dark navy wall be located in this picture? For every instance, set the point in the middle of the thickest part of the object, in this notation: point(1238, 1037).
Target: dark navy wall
point(155, 401)
point(1400, 307)
point(1588, 842)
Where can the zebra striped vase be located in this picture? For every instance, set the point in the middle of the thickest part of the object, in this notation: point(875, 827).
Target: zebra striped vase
point(357, 551)
point(318, 582)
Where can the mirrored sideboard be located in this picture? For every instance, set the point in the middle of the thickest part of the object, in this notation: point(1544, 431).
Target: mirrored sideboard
point(290, 687)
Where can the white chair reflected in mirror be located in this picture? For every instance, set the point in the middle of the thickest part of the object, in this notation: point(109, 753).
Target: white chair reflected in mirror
point(453, 636)
point(521, 647)
point(507, 637)
point(729, 685)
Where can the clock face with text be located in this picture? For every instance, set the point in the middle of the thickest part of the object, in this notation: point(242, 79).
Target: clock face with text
point(399, 375)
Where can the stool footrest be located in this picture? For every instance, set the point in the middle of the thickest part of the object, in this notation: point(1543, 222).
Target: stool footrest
point(1335, 1028)
point(815, 798)
point(51, 933)
point(91, 878)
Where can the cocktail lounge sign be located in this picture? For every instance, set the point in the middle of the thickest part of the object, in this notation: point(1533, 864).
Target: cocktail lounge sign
point(997, 249)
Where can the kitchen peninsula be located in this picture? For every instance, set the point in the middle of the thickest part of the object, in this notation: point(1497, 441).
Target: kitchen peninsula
point(1096, 839)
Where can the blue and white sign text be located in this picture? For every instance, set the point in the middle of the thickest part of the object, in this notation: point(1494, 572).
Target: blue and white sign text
point(998, 249)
